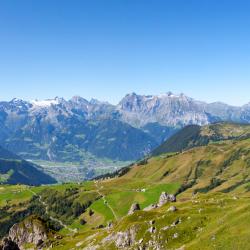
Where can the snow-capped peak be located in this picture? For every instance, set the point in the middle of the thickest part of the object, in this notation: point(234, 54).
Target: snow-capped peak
point(16, 100)
point(45, 103)
point(169, 94)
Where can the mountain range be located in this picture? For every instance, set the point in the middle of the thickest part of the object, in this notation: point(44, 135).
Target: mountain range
point(77, 129)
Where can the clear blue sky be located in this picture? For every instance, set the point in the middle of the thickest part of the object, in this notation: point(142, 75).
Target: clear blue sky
point(107, 48)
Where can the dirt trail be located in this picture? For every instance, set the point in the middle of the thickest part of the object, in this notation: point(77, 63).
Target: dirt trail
point(105, 201)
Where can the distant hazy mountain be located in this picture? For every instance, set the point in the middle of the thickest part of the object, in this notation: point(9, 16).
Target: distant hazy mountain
point(77, 129)
point(166, 109)
point(15, 170)
point(177, 110)
point(70, 131)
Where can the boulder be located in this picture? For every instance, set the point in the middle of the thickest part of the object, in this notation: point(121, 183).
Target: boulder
point(82, 221)
point(140, 241)
point(122, 240)
point(110, 224)
point(171, 198)
point(91, 212)
point(176, 222)
point(172, 209)
point(164, 198)
point(166, 228)
point(175, 236)
point(152, 230)
point(152, 222)
point(134, 207)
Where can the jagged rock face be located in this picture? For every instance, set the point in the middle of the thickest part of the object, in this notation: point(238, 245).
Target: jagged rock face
point(164, 198)
point(74, 130)
point(177, 110)
point(134, 207)
point(166, 109)
point(31, 230)
point(122, 240)
point(8, 244)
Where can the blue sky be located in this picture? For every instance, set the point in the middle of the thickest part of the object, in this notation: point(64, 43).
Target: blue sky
point(108, 48)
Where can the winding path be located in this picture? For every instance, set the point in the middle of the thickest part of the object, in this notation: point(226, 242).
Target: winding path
point(105, 201)
point(51, 217)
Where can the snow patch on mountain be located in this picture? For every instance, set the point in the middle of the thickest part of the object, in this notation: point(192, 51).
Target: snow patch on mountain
point(45, 103)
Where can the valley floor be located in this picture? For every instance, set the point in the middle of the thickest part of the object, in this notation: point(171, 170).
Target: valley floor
point(76, 172)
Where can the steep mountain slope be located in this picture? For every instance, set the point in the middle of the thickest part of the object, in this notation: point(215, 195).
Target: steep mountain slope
point(186, 137)
point(14, 170)
point(75, 141)
point(225, 112)
point(116, 140)
point(177, 110)
point(166, 109)
point(221, 166)
point(5, 154)
point(58, 130)
point(194, 135)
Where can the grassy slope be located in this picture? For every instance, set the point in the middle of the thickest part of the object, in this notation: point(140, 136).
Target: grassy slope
point(228, 162)
point(14, 170)
point(215, 221)
point(209, 221)
point(194, 135)
point(213, 218)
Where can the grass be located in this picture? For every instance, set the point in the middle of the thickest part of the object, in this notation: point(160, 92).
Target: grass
point(14, 194)
point(209, 221)
point(100, 208)
point(217, 216)
point(121, 201)
point(152, 194)
point(4, 177)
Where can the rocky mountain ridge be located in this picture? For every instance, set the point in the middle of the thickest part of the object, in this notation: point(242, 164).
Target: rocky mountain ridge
point(165, 109)
point(77, 129)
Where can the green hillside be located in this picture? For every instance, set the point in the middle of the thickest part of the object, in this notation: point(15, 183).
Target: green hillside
point(194, 135)
point(212, 187)
point(222, 166)
point(14, 170)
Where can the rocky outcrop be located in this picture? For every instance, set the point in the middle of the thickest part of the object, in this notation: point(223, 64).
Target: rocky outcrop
point(164, 198)
point(134, 207)
point(31, 230)
point(150, 207)
point(122, 240)
point(152, 230)
point(165, 109)
point(8, 244)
